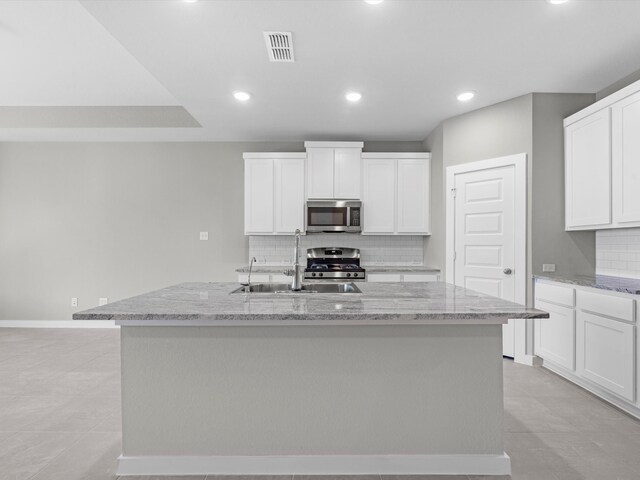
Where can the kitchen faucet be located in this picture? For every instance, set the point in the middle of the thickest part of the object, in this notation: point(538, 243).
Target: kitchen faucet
point(248, 284)
point(296, 272)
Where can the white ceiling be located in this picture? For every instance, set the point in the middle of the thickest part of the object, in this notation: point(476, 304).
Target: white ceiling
point(409, 58)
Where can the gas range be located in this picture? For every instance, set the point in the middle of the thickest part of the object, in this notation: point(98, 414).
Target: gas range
point(334, 263)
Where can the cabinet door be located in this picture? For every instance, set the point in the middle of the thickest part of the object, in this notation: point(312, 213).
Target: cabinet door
point(626, 159)
point(384, 277)
point(555, 336)
point(413, 196)
point(379, 195)
point(419, 277)
point(289, 195)
point(588, 172)
point(347, 173)
point(258, 196)
point(319, 172)
point(606, 355)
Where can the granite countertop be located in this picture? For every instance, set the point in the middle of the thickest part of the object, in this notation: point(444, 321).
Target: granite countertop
point(211, 304)
point(603, 282)
point(368, 268)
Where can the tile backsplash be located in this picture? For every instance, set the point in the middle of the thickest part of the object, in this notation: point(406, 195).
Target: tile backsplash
point(618, 252)
point(374, 249)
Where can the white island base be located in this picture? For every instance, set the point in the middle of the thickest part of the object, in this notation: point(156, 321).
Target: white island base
point(334, 399)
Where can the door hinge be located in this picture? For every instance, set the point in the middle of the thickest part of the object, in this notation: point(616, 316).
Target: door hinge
point(455, 255)
point(453, 192)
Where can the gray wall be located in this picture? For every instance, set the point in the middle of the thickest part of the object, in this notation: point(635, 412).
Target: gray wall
point(494, 131)
point(113, 220)
point(615, 86)
point(530, 124)
point(572, 252)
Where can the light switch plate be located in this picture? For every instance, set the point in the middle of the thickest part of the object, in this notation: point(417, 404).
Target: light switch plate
point(548, 267)
point(204, 235)
point(103, 301)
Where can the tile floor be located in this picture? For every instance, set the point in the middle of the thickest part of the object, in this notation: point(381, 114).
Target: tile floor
point(60, 416)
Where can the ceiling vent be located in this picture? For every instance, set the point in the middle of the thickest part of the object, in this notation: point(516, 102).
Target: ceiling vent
point(279, 46)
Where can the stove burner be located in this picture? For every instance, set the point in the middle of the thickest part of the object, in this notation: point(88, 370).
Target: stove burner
point(319, 266)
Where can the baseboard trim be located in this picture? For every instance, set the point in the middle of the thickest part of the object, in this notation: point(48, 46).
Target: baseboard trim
point(58, 324)
point(594, 389)
point(316, 464)
point(530, 360)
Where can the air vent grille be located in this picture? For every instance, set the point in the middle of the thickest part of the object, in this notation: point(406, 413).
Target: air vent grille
point(279, 46)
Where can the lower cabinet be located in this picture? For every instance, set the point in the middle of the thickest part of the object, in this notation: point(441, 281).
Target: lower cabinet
point(402, 277)
point(590, 338)
point(605, 352)
point(555, 336)
point(264, 277)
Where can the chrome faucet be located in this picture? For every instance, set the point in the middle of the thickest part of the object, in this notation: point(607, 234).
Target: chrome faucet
point(248, 284)
point(296, 283)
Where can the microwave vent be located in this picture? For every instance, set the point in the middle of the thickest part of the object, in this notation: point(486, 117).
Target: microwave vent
point(279, 46)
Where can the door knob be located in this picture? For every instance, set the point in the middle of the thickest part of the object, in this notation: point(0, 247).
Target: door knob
point(507, 271)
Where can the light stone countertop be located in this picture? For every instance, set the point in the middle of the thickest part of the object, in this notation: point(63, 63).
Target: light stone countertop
point(603, 282)
point(368, 268)
point(211, 304)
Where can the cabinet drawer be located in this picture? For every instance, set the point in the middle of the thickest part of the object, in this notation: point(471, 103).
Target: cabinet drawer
point(420, 277)
point(555, 294)
point(384, 277)
point(555, 336)
point(606, 353)
point(255, 277)
point(604, 304)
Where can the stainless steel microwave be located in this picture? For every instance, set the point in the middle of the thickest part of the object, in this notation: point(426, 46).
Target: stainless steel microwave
point(334, 216)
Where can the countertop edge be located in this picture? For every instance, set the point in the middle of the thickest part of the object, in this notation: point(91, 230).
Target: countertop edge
point(592, 282)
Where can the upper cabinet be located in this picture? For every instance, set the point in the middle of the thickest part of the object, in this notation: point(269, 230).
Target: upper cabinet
point(588, 172)
point(602, 171)
point(274, 195)
point(333, 169)
point(396, 193)
point(625, 116)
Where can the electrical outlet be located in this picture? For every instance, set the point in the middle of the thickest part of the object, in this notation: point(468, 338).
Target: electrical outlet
point(204, 235)
point(103, 301)
point(548, 267)
point(74, 302)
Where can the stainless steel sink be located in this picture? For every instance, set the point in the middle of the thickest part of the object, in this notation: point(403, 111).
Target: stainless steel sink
point(306, 288)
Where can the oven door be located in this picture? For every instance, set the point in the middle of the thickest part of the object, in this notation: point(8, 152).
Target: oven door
point(327, 217)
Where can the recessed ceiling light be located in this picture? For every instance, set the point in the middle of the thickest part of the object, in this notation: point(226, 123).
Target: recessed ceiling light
point(466, 96)
point(557, 2)
point(242, 96)
point(373, 2)
point(189, 1)
point(353, 96)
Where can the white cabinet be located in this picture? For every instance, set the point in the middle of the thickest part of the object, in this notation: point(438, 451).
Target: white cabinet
point(379, 195)
point(597, 329)
point(588, 172)
point(626, 160)
point(402, 277)
point(414, 180)
point(333, 169)
point(396, 193)
point(602, 171)
point(605, 351)
point(273, 193)
point(555, 336)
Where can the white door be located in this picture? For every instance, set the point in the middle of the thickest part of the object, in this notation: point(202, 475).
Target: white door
point(484, 236)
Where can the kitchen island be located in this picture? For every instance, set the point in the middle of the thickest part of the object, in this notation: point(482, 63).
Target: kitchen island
point(399, 379)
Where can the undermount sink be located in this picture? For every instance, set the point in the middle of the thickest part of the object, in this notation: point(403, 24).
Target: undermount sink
point(306, 288)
